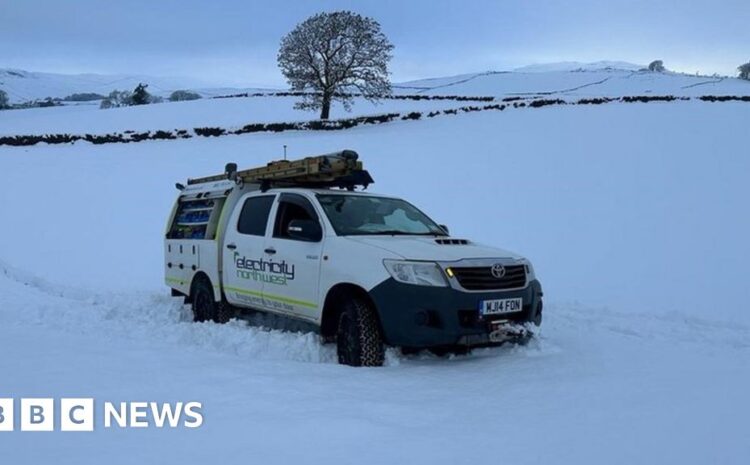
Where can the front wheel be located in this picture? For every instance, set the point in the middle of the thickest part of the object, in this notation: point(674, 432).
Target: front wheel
point(359, 341)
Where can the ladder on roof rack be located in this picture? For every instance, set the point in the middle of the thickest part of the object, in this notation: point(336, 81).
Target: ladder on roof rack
point(339, 169)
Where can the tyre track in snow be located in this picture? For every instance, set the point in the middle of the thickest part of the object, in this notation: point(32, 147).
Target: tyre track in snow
point(27, 300)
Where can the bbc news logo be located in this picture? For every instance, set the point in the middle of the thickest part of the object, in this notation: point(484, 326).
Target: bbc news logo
point(79, 414)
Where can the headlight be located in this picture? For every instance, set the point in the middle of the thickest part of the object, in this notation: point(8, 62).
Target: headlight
point(419, 273)
point(529, 269)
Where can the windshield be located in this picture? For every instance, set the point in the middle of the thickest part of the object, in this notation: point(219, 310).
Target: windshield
point(361, 215)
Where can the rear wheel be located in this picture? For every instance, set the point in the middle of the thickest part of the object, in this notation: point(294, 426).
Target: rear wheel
point(359, 341)
point(205, 308)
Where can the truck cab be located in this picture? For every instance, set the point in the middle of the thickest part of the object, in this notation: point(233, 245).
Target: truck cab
point(367, 270)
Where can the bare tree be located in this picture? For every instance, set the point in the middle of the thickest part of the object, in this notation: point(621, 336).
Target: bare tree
point(656, 66)
point(140, 95)
point(744, 71)
point(334, 54)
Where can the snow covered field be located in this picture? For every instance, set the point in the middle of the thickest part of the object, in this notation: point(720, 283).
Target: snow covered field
point(635, 218)
point(225, 112)
point(86, 118)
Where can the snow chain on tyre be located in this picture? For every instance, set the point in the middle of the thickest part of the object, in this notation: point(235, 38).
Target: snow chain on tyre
point(359, 342)
point(224, 312)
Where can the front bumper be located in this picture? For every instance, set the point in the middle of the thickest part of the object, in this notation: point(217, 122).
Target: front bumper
point(423, 316)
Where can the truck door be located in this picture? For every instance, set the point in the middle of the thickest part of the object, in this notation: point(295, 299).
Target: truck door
point(297, 260)
point(245, 266)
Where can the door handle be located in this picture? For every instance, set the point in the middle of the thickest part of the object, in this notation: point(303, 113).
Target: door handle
point(270, 251)
point(231, 246)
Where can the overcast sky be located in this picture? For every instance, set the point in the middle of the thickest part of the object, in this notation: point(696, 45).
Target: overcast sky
point(235, 41)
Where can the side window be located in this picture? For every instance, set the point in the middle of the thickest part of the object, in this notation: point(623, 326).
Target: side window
point(292, 207)
point(254, 215)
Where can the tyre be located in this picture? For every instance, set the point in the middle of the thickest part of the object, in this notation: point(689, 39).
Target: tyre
point(224, 312)
point(537, 319)
point(205, 308)
point(359, 342)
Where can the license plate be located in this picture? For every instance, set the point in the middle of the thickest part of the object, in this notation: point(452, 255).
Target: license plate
point(500, 306)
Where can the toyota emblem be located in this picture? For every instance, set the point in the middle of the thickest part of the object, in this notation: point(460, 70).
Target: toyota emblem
point(498, 270)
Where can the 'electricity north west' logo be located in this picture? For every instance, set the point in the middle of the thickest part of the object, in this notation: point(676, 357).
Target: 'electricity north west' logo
point(266, 271)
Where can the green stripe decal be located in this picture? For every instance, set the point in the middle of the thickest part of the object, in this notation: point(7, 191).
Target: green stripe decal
point(279, 298)
point(173, 280)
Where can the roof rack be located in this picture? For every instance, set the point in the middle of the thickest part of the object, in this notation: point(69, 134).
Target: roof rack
point(339, 169)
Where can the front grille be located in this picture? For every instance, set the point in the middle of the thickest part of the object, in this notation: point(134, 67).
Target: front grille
point(479, 278)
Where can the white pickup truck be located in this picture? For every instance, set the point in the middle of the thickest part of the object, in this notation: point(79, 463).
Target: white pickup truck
point(367, 270)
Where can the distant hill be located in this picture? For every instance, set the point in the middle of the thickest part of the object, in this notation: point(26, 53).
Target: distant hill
point(27, 85)
point(578, 66)
point(600, 79)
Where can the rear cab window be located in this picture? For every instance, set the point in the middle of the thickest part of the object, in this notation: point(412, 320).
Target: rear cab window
point(254, 215)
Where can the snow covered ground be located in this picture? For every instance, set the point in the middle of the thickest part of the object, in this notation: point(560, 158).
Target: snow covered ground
point(595, 387)
point(634, 215)
point(567, 81)
point(225, 112)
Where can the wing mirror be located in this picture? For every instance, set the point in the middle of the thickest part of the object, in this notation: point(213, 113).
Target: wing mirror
point(445, 228)
point(305, 230)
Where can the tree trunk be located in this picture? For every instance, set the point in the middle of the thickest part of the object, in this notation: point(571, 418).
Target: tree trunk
point(325, 109)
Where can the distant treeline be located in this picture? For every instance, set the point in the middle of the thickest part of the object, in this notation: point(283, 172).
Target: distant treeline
point(333, 125)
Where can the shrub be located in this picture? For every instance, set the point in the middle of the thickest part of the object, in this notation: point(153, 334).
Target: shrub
point(3, 99)
point(183, 95)
point(656, 66)
point(83, 97)
point(744, 71)
point(117, 98)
